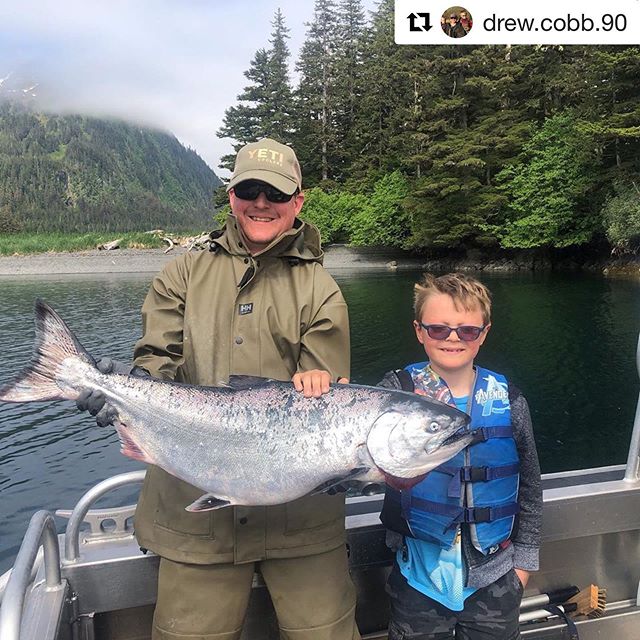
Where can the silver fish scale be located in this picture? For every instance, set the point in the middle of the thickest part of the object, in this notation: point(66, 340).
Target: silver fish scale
point(264, 445)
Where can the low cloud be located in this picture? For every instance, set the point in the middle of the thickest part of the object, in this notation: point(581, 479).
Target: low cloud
point(175, 65)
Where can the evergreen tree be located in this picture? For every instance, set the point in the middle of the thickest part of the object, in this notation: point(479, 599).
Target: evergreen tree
point(316, 137)
point(279, 125)
point(266, 103)
point(244, 123)
point(349, 53)
point(609, 110)
point(381, 93)
point(463, 127)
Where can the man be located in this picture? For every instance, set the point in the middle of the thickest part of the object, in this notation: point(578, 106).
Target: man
point(258, 303)
point(453, 28)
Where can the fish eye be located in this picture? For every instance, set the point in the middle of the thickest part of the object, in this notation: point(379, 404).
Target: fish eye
point(433, 427)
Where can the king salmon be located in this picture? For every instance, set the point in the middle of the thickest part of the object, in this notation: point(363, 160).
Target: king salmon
point(254, 441)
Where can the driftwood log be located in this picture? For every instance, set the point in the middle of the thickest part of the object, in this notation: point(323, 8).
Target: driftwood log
point(110, 246)
point(190, 242)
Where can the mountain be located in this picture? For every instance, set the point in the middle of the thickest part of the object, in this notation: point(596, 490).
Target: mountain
point(76, 173)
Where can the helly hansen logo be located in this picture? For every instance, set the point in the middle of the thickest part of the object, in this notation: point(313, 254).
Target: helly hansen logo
point(244, 309)
point(267, 155)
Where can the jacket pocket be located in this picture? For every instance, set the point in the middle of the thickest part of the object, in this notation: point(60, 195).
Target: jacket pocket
point(314, 513)
point(170, 497)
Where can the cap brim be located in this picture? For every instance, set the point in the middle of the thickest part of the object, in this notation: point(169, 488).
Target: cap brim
point(280, 182)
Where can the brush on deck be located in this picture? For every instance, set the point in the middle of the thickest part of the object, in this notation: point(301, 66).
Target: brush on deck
point(590, 602)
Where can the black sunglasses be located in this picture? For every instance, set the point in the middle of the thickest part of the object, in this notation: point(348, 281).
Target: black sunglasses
point(468, 333)
point(251, 189)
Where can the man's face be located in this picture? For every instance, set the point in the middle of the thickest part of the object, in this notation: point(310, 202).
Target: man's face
point(452, 20)
point(262, 221)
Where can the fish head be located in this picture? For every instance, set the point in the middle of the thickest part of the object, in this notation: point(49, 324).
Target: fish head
point(413, 437)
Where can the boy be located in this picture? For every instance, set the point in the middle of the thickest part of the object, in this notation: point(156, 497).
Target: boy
point(468, 534)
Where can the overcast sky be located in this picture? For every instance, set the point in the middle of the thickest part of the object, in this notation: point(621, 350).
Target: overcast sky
point(174, 64)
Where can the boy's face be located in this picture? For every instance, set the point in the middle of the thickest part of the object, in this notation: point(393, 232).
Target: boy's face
point(451, 354)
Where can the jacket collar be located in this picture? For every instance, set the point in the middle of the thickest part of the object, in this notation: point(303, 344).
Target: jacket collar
point(301, 242)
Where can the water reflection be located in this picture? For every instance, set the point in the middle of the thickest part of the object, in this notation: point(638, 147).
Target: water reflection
point(567, 341)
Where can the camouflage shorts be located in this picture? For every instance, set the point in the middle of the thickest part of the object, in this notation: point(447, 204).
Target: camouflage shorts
point(491, 613)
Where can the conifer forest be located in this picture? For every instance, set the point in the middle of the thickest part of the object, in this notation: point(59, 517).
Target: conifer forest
point(450, 147)
point(427, 148)
point(66, 173)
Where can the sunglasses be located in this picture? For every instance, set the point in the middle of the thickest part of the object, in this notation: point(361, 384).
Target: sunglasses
point(468, 333)
point(250, 190)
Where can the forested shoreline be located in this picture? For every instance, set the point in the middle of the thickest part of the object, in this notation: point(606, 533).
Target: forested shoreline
point(450, 149)
point(445, 151)
point(76, 174)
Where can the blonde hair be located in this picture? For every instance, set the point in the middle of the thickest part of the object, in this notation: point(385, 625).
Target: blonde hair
point(465, 291)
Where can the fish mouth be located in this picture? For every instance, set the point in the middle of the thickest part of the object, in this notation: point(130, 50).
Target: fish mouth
point(453, 441)
point(461, 433)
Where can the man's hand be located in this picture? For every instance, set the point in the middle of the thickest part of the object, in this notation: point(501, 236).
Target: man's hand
point(94, 401)
point(523, 576)
point(314, 383)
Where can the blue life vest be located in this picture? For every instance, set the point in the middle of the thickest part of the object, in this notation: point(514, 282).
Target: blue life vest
point(479, 486)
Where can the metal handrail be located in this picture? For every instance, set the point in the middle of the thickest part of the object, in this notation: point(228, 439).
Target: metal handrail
point(632, 473)
point(41, 530)
point(72, 534)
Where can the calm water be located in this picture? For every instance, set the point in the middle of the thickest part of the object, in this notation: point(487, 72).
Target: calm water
point(567, 341)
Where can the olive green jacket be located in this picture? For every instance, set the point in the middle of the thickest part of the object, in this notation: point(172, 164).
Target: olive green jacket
point(224, 312)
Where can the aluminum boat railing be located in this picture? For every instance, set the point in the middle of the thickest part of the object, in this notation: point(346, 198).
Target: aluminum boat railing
point(632, 473)
point(42, 533)
point(79, 513)
point(41, 530)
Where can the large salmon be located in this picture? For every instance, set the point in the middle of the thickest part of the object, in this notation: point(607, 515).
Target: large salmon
point(255, 441)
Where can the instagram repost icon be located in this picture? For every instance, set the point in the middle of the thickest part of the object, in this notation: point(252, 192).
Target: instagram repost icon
point(456, 22)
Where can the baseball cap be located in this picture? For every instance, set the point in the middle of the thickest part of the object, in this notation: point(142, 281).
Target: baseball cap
point(269, 161)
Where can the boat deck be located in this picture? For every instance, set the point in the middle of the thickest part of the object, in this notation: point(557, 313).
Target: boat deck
point(106, 588)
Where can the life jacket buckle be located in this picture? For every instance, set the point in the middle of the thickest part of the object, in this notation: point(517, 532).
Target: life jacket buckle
point(474, 474)
point(479, 435)
point(477, 514)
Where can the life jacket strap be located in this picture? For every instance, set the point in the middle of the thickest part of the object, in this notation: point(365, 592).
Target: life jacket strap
point(405, 504)
point(471, 515)
point(484, 433)
point(475, 474)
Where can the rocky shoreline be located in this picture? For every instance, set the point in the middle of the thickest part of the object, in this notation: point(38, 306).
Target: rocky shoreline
point(338, 258)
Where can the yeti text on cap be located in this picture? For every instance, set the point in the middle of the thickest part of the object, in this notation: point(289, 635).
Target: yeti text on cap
point(264, 154)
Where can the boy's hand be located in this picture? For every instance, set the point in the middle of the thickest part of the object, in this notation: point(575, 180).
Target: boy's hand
point(314, 383)
point(523, 576)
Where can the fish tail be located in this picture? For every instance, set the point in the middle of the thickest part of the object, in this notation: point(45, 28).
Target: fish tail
point(54, 343)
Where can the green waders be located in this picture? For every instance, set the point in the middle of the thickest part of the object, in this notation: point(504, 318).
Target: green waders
point(313, 596)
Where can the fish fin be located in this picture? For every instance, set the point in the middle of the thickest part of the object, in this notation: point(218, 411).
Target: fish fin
point(207, 502)
point(128, 446)
point(54, 343)
point(242, 383)
point(335, 483)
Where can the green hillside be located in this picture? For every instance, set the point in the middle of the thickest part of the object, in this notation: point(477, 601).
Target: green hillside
point(74, 173)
